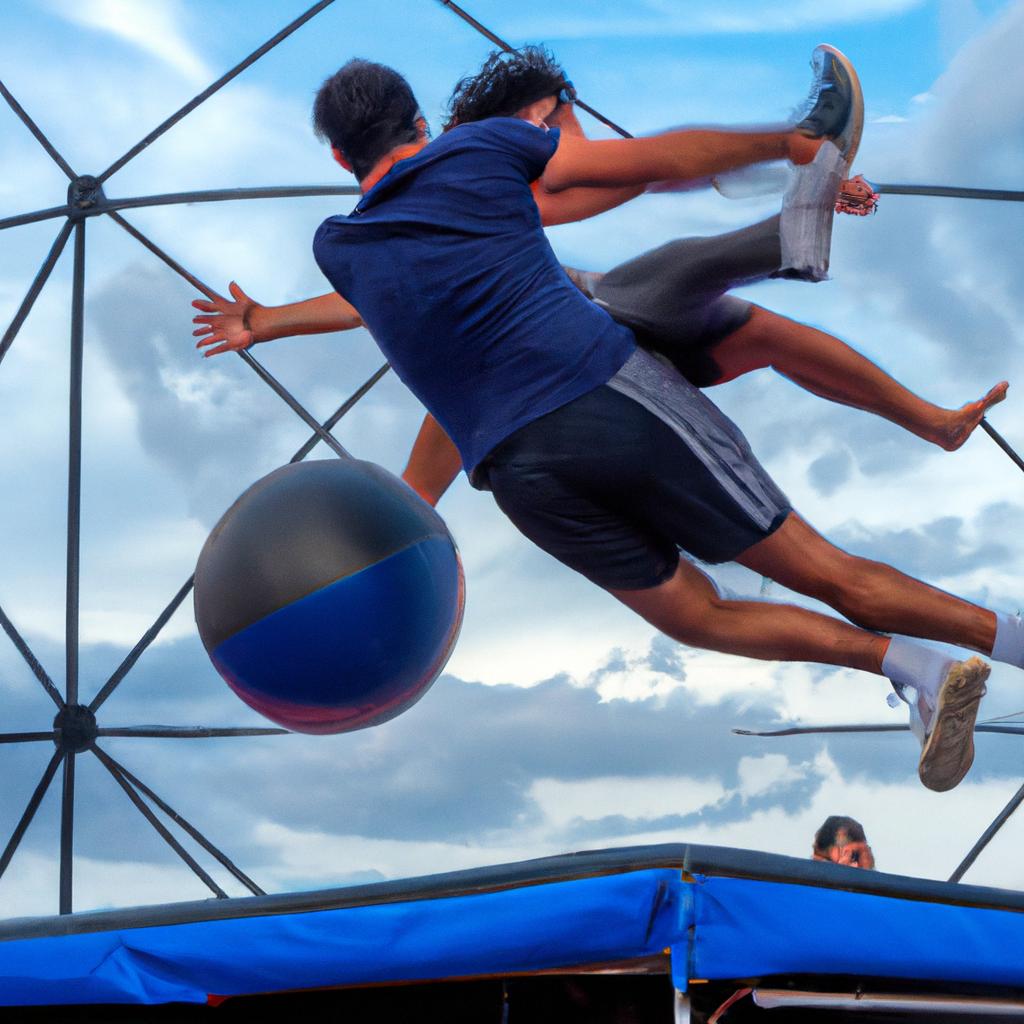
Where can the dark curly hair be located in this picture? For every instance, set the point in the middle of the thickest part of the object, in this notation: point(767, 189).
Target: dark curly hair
point(365, 110)
point(506, 83)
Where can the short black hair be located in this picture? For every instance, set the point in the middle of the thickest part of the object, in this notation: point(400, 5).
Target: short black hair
point(365, 110)
point(507, 82)
point(825, 837)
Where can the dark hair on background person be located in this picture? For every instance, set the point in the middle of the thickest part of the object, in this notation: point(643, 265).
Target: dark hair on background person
point(825, 837)
point(506, 83)
point(365, 110)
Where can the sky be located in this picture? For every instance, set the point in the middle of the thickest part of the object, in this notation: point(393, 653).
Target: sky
point(562, 722)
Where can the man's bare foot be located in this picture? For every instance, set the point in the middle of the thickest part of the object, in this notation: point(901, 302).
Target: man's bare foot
point(959, 424)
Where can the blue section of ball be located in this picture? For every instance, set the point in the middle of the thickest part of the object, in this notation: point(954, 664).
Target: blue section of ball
point(355, 652)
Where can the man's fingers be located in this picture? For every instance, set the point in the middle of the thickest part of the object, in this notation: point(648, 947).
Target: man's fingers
point(226, 347)
point(237, 293)
point(212, 339)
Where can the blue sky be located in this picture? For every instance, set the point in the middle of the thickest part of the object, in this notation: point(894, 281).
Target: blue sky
point(562, 721)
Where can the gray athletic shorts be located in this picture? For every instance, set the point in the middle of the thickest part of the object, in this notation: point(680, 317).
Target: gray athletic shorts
point(674, 297)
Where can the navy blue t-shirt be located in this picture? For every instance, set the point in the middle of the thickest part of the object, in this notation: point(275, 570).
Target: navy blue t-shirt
point(448, 265)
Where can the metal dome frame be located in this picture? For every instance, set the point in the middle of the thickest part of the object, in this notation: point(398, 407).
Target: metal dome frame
point(75, 729)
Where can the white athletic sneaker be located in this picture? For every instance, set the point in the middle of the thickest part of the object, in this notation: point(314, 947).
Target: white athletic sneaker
point(945, 723)
point(835, 111)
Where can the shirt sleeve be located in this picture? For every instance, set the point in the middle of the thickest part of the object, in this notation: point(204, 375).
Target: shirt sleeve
point(529, 146)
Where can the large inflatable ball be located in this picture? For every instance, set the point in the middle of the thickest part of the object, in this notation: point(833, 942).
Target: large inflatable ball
point(329, 596)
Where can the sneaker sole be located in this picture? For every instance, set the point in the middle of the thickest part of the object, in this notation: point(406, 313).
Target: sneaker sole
point(949, 749)
point(854, 128)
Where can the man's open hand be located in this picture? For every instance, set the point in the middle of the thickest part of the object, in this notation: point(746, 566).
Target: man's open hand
point(226, 323)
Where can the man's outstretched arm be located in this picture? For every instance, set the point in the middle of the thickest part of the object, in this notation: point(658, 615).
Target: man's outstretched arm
point(434, 462)
point(238, 322)
point(688, 155)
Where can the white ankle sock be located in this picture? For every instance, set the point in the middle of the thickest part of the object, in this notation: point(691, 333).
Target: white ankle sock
point(805, 227)
point(1009, 645)
point(909, 663)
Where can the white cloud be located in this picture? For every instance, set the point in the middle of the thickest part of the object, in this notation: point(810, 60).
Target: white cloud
point(665, 18)
point(155, 27)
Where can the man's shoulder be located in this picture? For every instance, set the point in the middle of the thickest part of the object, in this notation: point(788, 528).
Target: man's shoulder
point(501, 130)
point(327, 237)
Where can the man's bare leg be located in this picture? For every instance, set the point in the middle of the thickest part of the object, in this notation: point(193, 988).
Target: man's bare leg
point(872, 594)
point(688, 608)
point(828, 367)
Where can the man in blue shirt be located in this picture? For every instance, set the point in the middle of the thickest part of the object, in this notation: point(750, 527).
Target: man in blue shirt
point(675, 298)
point(601, 454)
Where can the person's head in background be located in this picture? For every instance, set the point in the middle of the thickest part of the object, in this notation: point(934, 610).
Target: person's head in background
point(841, 840)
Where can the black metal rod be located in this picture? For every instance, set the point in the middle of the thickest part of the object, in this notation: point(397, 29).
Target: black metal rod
point(261, 371)
point(342, 410)
point(221, 857)
point(813, 730)
point(67, 834)
point(35, 288)
point(809, 730)
point(186, 732)
point(23, 649)
point(501, 44)
point(136, 652)
point(157, 824)
point(293, 403)
point(228, 195)
point(26, 737)
point(1002, 442)
point(30, 811)
point(950, 192)
point(31, 218)
point(37, 132)
point(75, 467)
point(989, 834)
point(211, 89)
point(161, 255)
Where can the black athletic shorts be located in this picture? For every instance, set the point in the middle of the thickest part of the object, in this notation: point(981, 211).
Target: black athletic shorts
point(617, 481)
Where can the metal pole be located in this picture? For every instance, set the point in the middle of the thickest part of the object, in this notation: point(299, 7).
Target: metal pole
point(67, 833)
point(501, 44)
point(263, 373)
point(188, 827)
point(161, 829)
point(26, 737)
point(987, 836)
point(30, 811)
point(342, 410)
point(75, 468)
point(136, 652)
point(293, 403)
point(210, 90)
point(814, 730)
point(31, 218)
point(229, 195)
point(35, 288)
point(33, 663)
point(950, 192)
point(184, 732)
point(35, 130)
point(1002, 442)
